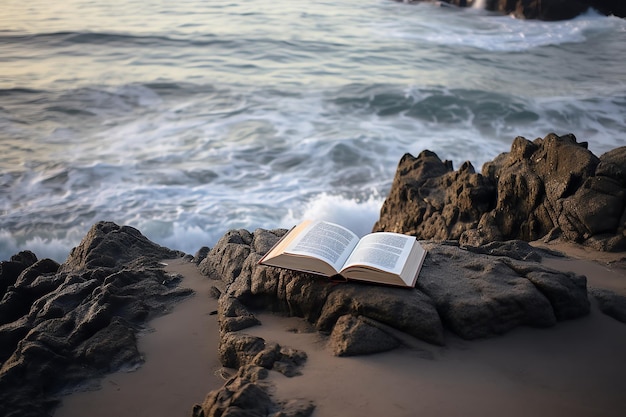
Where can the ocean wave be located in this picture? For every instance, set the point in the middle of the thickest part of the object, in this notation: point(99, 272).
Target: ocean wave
point(233, 43)
point(496, 33)
point(61, 39)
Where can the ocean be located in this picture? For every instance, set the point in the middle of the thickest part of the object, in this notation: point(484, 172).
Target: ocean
point(186, 119)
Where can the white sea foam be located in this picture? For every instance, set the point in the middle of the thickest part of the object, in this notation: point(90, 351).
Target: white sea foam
point(497, 33)
point(358, 216)
point(281, 119)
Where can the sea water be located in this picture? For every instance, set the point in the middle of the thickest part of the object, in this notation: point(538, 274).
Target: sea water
point(186, 119)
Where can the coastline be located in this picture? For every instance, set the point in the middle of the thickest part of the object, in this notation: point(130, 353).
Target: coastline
point(180, 361)
point(570, 368)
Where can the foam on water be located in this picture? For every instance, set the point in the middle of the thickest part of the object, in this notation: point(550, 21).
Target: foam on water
point(496, 33)
point(185, 127)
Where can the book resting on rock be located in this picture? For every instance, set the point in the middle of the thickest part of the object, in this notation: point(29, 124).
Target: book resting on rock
point(329, 249)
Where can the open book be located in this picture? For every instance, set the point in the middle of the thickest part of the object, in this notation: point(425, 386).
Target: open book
point(330, 249)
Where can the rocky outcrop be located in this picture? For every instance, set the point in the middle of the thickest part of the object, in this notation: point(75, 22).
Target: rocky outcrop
point(63, 324)
point(555, 9)
point(610, 303)
point(473, 292)
point(546, 188)
point(246, 395)
point(546, 9)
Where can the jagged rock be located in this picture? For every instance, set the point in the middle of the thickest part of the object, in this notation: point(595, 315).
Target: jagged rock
point(475, 292)
point(428, 199)
point(109, 245)
point(201, 254)
point(237, 350)
point(610, 303)
point(314, 298)
point(239, 397)
point(63, 324)
point(234, 316)
point(548, 9)
point(548, 187)
point(353, 335)
point(246, 395)
point(233, 245)
point(11, 270)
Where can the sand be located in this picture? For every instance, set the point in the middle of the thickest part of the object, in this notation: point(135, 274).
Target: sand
point(576, 368)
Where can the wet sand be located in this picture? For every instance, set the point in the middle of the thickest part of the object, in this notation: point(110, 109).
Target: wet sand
point(576, 368)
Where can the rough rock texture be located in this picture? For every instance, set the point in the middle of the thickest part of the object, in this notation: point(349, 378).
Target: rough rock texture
point(550, 187)
point(246, 395)
point(63, 324)
point(473, 292)
point(610, 303)
point(357, 335)
point(548, 9)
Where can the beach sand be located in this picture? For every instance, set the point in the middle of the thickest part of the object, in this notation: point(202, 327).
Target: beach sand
point(576, 368)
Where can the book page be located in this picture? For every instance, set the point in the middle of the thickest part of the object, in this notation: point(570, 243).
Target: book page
point(384, 251)
point(326, 241)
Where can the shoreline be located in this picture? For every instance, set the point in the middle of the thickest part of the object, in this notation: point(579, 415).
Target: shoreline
point(180, 352)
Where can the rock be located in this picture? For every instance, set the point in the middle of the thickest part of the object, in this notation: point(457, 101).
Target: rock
point(63, 324)
point(313, 298)
point(296, 408)
point(201, 254)
point(478, 296)
point(548, 187)
point(548, 9)
point(610, 303)
point(248, 394)
point(234, 316)
point(26, 258)
point(240, 396)
point(109, 245)
point(407, 310)
point(514, 249)
point(474, 292)
point(233, 245)
point(237, 350)
point(353, 335)
point(566, 291)
point(428, 199)
point(10, 270)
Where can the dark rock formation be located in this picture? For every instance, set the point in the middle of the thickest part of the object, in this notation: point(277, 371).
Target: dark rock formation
point(610, 303)
point(546, 9)
point(480, 295)
point(551, 187)
point(357, 335)
point(246, 395)
point(63, 324)
point(473, 292)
